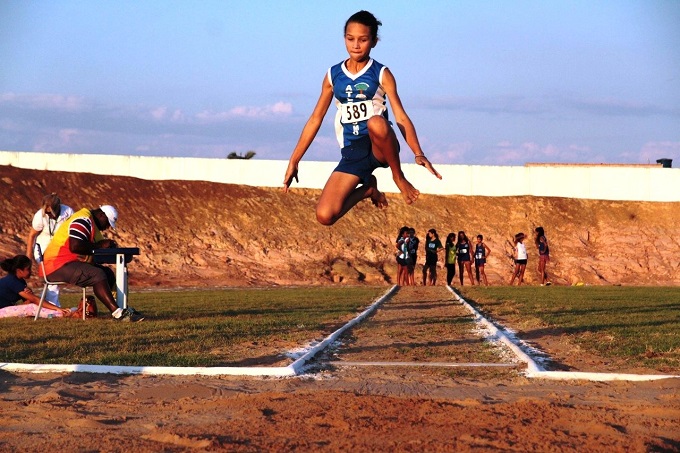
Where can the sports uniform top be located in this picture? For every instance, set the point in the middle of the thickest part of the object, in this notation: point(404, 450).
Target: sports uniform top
point(79, 226)
point(543, 248)
point(480, 252)
point(431, 247)
point(463, 251)
point(358, 97)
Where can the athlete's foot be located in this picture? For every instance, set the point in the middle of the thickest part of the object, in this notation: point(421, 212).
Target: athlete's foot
point(377, 197)
point(408, 192)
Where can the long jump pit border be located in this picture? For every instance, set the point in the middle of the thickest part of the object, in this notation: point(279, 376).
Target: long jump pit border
point(534, 370)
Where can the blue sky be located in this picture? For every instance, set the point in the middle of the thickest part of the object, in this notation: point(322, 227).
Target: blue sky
point(485, 82)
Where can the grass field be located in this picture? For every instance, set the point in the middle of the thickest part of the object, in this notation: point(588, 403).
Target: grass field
point(638, 324)
point(189, 328)
point(255, 326)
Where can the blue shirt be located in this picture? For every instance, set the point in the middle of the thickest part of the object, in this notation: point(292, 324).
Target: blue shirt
point(10, 287)
point(357, 97)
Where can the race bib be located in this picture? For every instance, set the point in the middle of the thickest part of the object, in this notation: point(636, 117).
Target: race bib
point(354, 112)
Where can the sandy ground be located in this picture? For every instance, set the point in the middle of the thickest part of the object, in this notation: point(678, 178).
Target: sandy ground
point(342, 404)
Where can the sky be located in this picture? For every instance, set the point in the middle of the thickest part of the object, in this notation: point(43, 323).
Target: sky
point(485, 82)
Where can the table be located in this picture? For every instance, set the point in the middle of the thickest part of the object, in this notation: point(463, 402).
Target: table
point(120, 257)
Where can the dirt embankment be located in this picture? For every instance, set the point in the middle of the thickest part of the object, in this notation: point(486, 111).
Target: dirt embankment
point(199, 233)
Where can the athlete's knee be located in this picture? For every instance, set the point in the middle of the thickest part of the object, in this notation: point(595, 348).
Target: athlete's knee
point(378, 126)
point(325, 216)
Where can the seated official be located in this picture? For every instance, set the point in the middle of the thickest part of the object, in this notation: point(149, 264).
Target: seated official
point(69, 256)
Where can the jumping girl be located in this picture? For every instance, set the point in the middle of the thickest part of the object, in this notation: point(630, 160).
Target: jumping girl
point(361, 87)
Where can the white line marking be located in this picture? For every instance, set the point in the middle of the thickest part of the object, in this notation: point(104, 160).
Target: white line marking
point(424, 364)
point(536, 371)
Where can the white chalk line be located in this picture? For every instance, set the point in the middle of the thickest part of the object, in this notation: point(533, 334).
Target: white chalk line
point(424, 364)
point(534, 370)
point(293, 369)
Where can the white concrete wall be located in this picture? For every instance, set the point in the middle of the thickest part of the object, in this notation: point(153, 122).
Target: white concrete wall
point(635, 183)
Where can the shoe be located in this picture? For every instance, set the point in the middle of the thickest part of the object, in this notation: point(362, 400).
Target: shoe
point(129, 316)
point(548, 284)
point(135, 312)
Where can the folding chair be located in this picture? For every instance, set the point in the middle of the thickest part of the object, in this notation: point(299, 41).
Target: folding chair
point(39, 256)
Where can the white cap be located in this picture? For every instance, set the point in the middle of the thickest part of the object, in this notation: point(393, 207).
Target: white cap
point(111, 214)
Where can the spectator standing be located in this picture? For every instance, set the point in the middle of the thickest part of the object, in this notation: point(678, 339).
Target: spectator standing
point(482, 252)
point(450, 260)
point(402, 256)
point(543, 255)
point(432, 248)
point(521, 259)
point(464, 256)
point(45, 223)
point(413, 244)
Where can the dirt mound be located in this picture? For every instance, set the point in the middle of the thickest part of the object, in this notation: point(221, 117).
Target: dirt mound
point(199, 233)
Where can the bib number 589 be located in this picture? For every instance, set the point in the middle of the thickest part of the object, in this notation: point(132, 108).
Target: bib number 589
point(357, 111)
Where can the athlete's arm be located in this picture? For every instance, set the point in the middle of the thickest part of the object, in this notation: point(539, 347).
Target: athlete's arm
point(308, 132)
point(30, 242)
point(404, 123)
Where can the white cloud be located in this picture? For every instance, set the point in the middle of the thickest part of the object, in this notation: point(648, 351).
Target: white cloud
point(272, 110)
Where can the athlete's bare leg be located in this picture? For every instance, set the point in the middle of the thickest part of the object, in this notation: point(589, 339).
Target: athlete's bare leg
point(386, 149)
point(340, 194)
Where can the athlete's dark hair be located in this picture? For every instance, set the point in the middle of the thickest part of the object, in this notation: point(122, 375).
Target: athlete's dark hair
point(480, 237)
point(367, 19)
point(462, 237)
point(11, 265)
point(451, 238)
point(434, 232)
point(539, 233)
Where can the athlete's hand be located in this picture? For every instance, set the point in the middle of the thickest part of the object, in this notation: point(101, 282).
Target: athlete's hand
point(291, 172)
point(422, 161)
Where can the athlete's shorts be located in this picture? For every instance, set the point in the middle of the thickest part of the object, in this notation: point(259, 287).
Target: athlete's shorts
point(82, 274)
point(520, 261)
point(358, 159)
point(480, 262)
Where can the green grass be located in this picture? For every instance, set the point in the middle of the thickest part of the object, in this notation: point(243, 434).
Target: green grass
point(236, 327)
point(637, 324)
point(188, 328)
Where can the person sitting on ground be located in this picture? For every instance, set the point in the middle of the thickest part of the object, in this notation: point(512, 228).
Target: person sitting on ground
point(69, 256)
point(16, 298)
point(45, 223)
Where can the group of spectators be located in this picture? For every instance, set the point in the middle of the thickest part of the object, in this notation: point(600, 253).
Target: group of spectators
point(459, 250)
point(64, 241)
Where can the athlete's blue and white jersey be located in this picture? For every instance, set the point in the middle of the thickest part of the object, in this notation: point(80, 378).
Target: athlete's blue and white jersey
point(358, 97)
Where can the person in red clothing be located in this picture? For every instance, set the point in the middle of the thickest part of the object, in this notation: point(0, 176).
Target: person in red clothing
point(69, 257)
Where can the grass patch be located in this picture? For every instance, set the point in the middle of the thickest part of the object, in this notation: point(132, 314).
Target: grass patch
point(640, 324)
point(188, 328)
